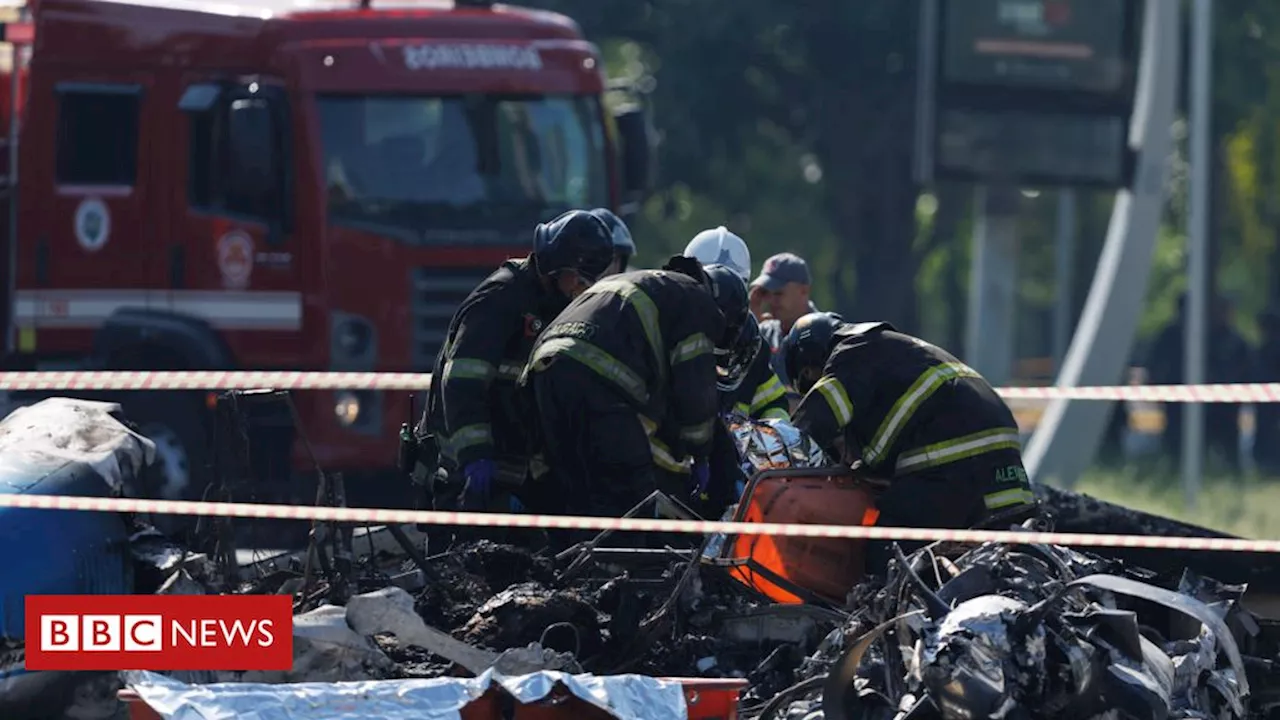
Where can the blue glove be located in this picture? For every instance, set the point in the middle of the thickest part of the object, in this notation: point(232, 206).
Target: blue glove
point(701, 478)
point(479, 475)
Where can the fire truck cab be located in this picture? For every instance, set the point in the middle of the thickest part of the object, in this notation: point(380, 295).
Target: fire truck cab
point(293, 184)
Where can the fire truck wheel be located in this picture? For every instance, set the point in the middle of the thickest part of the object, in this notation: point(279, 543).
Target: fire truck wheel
point(175, 424)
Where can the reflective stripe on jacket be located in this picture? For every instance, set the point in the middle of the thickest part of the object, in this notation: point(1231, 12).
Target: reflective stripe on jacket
point(902, 404)
point(650, 333)
point(762, 395)
point(475, 409)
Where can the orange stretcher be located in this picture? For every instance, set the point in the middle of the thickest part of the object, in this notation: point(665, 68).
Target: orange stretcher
point(795, 569)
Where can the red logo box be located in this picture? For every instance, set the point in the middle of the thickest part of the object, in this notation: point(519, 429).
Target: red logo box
point(159, 632)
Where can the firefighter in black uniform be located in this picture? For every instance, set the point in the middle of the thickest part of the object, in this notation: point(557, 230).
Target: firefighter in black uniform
point(477, 414)
point(748, 387)
point(747, 382)
point(625, 383)
point(914, 415)
point(744, 374)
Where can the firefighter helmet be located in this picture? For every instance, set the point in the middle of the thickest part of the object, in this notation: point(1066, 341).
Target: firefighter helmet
point(806, 347)
point(576, 240)
point(730, 293)
point(718, 246)
point(623, 244)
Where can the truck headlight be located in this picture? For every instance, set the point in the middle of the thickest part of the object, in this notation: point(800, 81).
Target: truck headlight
point(347, 408)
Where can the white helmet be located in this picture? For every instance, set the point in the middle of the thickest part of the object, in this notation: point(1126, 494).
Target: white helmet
point(721, 247)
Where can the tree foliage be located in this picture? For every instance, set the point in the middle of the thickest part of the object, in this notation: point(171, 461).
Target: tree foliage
point(1247, 124)
point(791, 123)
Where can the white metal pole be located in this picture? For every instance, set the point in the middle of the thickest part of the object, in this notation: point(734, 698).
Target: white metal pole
point(1066, 438)
point(1197, 244)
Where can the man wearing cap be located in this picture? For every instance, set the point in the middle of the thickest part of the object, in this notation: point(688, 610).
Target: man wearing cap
point(781, 292)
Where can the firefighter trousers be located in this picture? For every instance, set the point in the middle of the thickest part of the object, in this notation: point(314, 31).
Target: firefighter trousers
point(601, 455)
point(594, 442)
point(959, 495)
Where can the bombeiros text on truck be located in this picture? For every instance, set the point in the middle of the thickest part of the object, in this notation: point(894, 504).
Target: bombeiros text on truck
point(291, 185)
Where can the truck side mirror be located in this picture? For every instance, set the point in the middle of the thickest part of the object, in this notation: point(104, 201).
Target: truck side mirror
point(253, 158)
point(637, 148)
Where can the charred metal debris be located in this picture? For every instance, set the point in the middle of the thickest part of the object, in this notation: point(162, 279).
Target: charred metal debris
point(1039, 632)
point(954, 633)
point(951, 632)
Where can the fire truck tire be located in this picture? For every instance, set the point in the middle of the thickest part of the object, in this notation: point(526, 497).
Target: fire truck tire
point(175, 422)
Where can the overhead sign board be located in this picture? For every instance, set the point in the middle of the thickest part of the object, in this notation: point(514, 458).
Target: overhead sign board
point(1032, 92)
point(1078, 45)
point(1032, 148)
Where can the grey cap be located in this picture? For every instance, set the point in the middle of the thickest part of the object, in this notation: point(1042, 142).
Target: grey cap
point(781, 269)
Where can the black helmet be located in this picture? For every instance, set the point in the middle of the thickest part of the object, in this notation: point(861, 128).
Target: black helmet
point(733, 364)
point(622, 242)
point(807, 346)
point(730, 293)
point(577, 240)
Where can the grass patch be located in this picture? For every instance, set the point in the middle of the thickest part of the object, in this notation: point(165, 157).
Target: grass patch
point(1244, 506)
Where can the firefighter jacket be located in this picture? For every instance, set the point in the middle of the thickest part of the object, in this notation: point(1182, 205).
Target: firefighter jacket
point(650, 334)
point(475, 407)
point(771, 333)
point(762, 394)
point(903, 405)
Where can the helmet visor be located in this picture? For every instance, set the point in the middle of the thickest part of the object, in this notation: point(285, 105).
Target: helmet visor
point(735, 357)
point(593, 267)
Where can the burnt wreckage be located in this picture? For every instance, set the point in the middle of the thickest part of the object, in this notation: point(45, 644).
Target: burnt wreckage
point(952, 631)
point(1030, 631)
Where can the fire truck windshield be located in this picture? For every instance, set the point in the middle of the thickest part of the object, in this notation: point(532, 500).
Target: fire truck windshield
point(460, 162)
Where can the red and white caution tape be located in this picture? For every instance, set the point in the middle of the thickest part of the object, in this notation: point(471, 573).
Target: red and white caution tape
point(375, 516)
point(286, 380)
point(1223, 393)
point(211, 380)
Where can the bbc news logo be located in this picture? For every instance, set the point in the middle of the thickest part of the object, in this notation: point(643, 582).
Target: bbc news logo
point(146, 633)
point(159, 632)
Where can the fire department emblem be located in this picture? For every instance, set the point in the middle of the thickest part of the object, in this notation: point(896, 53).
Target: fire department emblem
point(93, 224)
point(235, 259)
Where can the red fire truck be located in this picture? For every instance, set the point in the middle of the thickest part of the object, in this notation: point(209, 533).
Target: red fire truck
point(310, 184)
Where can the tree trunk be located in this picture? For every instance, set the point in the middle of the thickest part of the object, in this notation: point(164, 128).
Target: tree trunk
point(866, 151)
point(864, 117)
point(872, 207)
point(884, 258)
